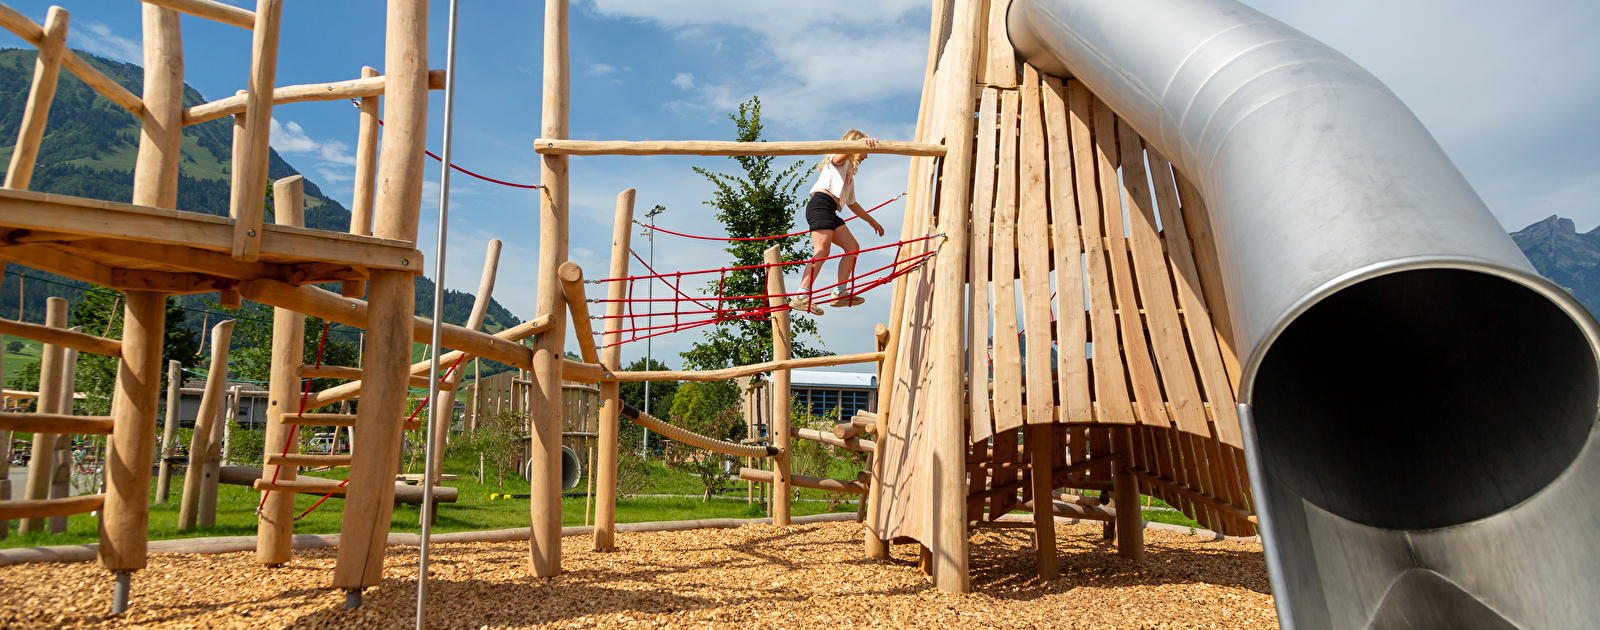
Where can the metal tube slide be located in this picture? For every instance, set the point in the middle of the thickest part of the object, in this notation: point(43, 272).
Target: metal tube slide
point(695, 439)
point(1419, 406)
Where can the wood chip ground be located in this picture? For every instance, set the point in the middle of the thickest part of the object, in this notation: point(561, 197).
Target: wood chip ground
point(759, 576)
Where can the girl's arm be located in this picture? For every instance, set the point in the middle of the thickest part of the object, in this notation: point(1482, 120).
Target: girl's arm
point(861, 212)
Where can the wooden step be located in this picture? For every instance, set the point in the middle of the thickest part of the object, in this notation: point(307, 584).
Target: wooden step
point(337, 420)
point(320, 486)
point(296, 459)
point(59, 423)
point(356, 374)
point(46, 508)
point(804, 481)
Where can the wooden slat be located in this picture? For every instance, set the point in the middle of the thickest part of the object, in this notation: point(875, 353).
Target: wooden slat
point(1110, 384)
point(61, 337)
point(47, 508)
point(58, 423)
point(295, 459)
point(552, 146)
point(1197, 220)
point(1001, 69)
point(1033, 255)
point(1232, 510)
point(1071, 326)
point(1007, 355)
point(983, 176)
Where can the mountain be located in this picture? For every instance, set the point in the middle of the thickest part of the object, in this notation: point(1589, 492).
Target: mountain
point(89, 149)
point(1566, 257)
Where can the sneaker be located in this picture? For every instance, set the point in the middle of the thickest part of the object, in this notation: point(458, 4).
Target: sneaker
point(804, 304)
point(841, 300)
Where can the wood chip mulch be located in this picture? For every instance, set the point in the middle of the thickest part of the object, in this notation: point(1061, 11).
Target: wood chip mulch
point(758, 576)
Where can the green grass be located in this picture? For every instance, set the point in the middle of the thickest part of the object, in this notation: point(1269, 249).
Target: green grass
point(474, 510)
point(15, 360)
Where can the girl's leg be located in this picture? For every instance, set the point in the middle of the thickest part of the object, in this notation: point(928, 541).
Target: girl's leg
point(821, 243)
point(847, 264)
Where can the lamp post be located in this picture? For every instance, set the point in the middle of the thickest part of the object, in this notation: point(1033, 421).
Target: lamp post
point(644, 449)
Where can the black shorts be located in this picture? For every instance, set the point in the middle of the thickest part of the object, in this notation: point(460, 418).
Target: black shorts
point(822, 213)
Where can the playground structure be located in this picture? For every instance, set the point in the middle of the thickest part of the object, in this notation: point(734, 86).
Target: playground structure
point(1171, 248)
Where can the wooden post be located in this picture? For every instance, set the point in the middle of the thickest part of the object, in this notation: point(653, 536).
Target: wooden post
point(46, 70)
point(947, 422)
point(369, 504)
point(51, 364)
point(605, 510)
point(250, 178)
point(211, 472)
point(1041, 445)
point(366, 177)
point(477, 396)
point(206, 420)
point(169, 430)
point(545, 398)
point(125, 521)
point(781, 347)
point(275, 526)
point(155, 174)
point(61, 469)
point(1125, 494)
point(444, 408)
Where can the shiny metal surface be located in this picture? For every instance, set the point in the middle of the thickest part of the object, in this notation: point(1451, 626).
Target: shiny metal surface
point(1411, 387)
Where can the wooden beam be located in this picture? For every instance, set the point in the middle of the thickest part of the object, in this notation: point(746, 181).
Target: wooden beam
point(805, 481)
point(355, 374)
point(605, 511)
point(366, 178)
point(778, 427)
point(1202, 497)
point(211, 10)
point(188, 259)
point(296, 459)
point(746, 370)
point(62, 337)
point(124, 523)
point(46, 508)
point(20, 209)
point(250, 176)
point(208, 419)
point(275, 522)
point(46, 72)
point(864, 446)
point(553, 146)
point(56, 423)
point(578, 304)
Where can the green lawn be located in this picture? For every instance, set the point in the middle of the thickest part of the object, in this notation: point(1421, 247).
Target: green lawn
point(15, 360)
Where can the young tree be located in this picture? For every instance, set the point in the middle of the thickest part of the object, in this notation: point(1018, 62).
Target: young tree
point(710, 409)
point(762, 202)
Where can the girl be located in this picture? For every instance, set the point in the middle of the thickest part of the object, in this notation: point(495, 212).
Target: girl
point(835, 187)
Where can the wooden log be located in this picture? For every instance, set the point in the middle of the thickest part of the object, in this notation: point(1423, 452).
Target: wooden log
point(206, 422)
point(351, 390)
point(605, 510)
point(365, 87)
point(1130, 528)
point(61, 471)
point(746, 370)
point(555, 146)
point(124, 523)
point(46, 72)
point(864, 446)
point(169, 431)
point(1007, 352)
point(1076, 510)
point(55, 423)
point(62, 337)
point(1033, 256)
point(847, 430)
point(1071, 332)
point(211, 10)
point(983, 203)
point(250, 178)
point(578, 304)
point(47, 508)
point(366, 176)
point(805, 481)
point(354, 374)
point(443, 409)
point(275, 522)
point(43, 453)
point(296, 459)
point(1041, 443)
point(779, 427)
point(155, 173)
point(32, 33)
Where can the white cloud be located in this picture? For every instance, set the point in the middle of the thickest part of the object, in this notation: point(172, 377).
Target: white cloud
point(97, 38)
point(684, 80)
point(333, 160)
point(601, 68)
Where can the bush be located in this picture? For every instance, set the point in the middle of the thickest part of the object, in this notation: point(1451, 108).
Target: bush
point(14, 346)
point(815, 459)
point(710, 409)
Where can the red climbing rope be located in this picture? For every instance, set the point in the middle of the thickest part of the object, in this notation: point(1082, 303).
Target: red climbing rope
point(322, 346)
point(458, 169)
point(731, 239)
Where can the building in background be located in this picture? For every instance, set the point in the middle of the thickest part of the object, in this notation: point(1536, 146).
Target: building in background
point(821, 391)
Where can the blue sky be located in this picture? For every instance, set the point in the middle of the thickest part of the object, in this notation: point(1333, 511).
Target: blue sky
point(1509, 89)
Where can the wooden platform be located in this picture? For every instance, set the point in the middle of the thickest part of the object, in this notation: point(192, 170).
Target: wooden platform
point(124, 246)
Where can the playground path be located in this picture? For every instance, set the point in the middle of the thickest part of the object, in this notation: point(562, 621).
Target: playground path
point(757, 576)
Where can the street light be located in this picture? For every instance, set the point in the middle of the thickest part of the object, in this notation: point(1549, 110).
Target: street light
point(650, 234)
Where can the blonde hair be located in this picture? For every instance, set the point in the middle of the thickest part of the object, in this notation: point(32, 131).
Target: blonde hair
point(855, 159)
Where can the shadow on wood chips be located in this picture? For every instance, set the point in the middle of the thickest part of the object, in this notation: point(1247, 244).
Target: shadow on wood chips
point(752, 577)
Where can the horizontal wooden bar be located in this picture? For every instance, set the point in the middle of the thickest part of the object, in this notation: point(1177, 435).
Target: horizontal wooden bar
point(354, 374)
point(62, 337)
point(24, 209)
point(746, 370)
point(864, 446)
point(1058, 473)
point(335, 91)
point(211, 10)
point(552, 146)
point(584, 372)
point(296, 459)
point(847, 430)
point(58, 423)
point(310, 487)
point(403, 493)
point(1074, 510)
point(1229, 508)
point(46, 508)
point(351, 390)
point(351, 311)
point(805, 481)
point(320, 419)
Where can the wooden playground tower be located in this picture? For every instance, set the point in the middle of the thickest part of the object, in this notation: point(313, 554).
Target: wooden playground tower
point(1134, 397)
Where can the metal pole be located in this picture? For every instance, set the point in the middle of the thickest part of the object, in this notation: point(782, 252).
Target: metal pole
point(428, 472)
point(644, 451)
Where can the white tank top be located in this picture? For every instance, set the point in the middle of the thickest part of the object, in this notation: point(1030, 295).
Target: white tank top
point(836, 180)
